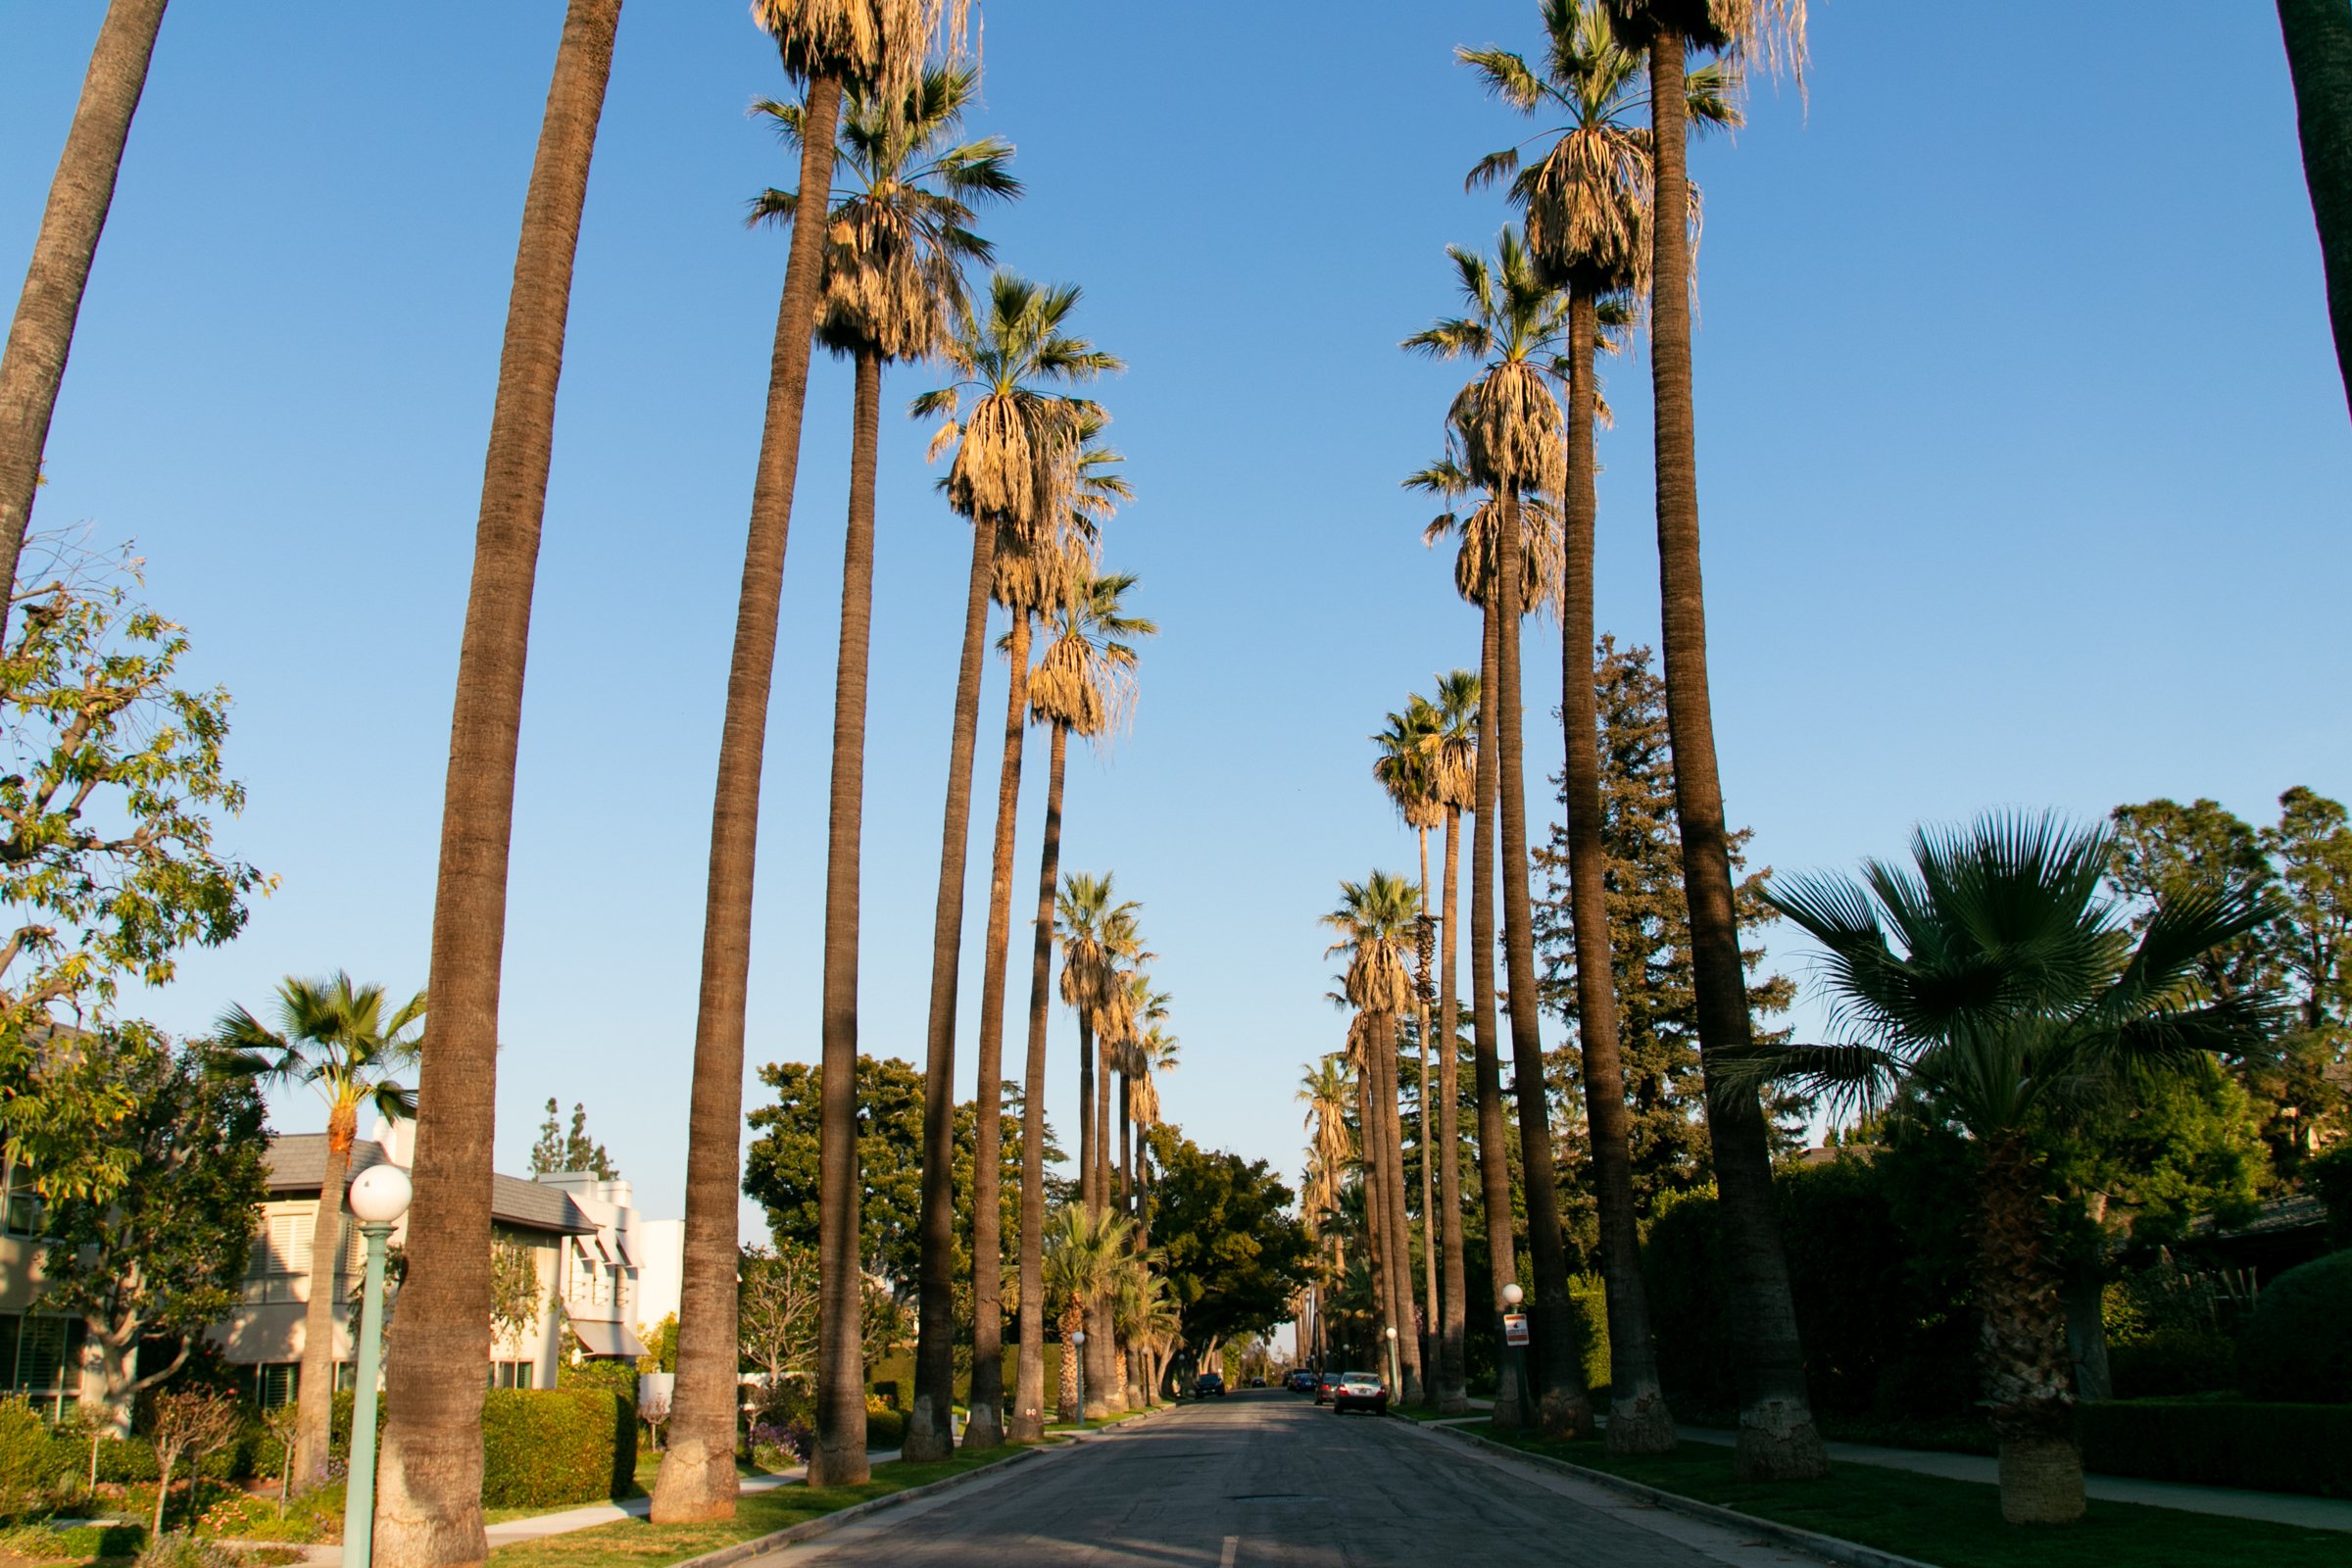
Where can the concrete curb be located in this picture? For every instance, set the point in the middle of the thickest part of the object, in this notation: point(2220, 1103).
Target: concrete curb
point(1850, 1553)
point(826, 1524)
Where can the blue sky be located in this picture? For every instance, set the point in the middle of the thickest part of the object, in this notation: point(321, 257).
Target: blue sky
point(2024, 467)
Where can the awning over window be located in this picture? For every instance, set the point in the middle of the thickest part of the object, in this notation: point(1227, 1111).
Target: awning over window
point(607, 1338)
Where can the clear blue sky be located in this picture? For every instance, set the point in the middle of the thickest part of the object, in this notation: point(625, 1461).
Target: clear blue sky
point(2024, 474)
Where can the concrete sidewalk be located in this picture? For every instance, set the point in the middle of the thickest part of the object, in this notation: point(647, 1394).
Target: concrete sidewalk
point(2276, 1508)
point(539, 1526)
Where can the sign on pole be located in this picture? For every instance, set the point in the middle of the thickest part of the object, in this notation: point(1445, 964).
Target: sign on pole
point(1514, 1328)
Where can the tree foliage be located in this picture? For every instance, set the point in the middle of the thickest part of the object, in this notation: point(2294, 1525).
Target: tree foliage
point(561, 1150)
point(166, 1254)
point(1232, 1251)
point(775, 1313)
point(111, 777)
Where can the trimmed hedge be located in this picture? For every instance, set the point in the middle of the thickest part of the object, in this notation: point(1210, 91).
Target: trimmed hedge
point(2210, 1443)
point(549, 1448)
point(2296, 1343)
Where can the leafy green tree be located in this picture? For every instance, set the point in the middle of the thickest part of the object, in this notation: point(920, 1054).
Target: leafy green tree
point(163, 1258)
point(570, 1150)
point(1994, 979)
point(110, 777)
point(2311, 848)
point(775, 1313)
point(1232, 1251)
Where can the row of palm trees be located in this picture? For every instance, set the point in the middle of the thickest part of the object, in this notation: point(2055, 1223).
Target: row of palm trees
point(1584, 262)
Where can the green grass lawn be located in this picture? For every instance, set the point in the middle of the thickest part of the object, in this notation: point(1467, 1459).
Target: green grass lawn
point(636, 1544)
point(1958, 1524)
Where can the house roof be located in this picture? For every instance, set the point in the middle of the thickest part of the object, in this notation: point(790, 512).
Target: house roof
point(298, 1164)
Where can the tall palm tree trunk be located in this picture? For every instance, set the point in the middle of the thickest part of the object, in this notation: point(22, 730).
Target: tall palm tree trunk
point(1073, 1318)
point(1777, 1436)
point(1408, 1337)
point(429, 1487)
point(697, 1480)
point(1086, 1115)
point(315, 1392)
point(80, 193)
point(1422, 989)
point(1453, 1394)
point(2319, 59)
point(1106, 1392)
point(838, 1033)
point(931, 1423)
point(1563, 1406)
point(1372, 1169)
point(1494, 1133)
point(1640, 1421)
point(983, 1427)
point(2028, 1381)
point(1029, 1365)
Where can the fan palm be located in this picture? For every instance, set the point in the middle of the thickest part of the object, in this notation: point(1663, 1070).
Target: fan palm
point(1405, 769)
point(1016, 442)
point(1032, 577)
point(1102, 946)
point(894, 278)
point(1475, 786)
point(429, 1484)
point(1085, 683)
point(32, 367)
point(1084, 1254)
point(1778, 1438)
point(341, 1040)
point(1586, 201)
point(1376, 922)
point(1511, 429)
point(1452, 751)
point(1992, 980)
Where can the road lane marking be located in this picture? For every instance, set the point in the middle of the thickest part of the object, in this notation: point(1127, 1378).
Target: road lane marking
point(1233, 1544)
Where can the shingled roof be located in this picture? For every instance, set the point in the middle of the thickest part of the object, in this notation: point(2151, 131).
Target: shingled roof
point(298, 1165)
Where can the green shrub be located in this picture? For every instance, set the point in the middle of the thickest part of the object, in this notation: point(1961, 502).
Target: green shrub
point(2172, 1363)
point(175, 1549)
point(2210, 1443)
point(885, 1428)
point(606, 1372)
point(2297, 1346)
point(547, 1447)
point(32, 1463)
point(2330, 1177)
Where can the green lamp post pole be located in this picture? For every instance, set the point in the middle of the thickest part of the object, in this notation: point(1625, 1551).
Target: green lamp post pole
point(378, 1198)
point(1080, 1353)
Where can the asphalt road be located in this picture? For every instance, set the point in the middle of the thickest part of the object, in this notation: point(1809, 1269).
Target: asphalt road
point(1268, 1479)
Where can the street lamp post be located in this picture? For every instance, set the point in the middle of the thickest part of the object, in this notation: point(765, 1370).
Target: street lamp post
point(1393, 1380)
point(1510, 1391)
point(377, 1199)
point(1079, 1349)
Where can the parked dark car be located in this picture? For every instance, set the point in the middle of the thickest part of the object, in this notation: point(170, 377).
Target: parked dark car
point(1360, 1390)
point(1209, 1386)
point(1301, 1381)
point(1327, 1384)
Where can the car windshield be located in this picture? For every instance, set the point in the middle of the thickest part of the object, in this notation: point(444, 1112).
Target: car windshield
point(1360, 1380)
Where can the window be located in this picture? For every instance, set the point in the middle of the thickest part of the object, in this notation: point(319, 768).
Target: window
point(512, 1374)
point(40, 1358)
point(22, 1205)
point(276, 1383)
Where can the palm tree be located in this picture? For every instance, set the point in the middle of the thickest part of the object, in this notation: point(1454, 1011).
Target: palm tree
point(33, 364)
point(1404, 770)
point(1510, 430)
point(1083, 1255)
point(1778, 1439)
point(1476, 574)
point(1030, 579)
point(429, 1487)
point(2319, 59)
point(1586, 201)
point(338, 1038)
point(827, 46)
point(1375, 921)
point(1098, 937)
point(894, 280)
point(1084, 684)
point(1452, 750)
point(1993, 983)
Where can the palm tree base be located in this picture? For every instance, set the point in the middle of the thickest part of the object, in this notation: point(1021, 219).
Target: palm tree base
point(982, 1429)
point(1453, 1402)
point(927, 1439)
point(1563, 1413)
point(829, 1467)
point(1778, 1442)
point(1642, 1424)
point(694, 1485)
point(2041, 1480)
